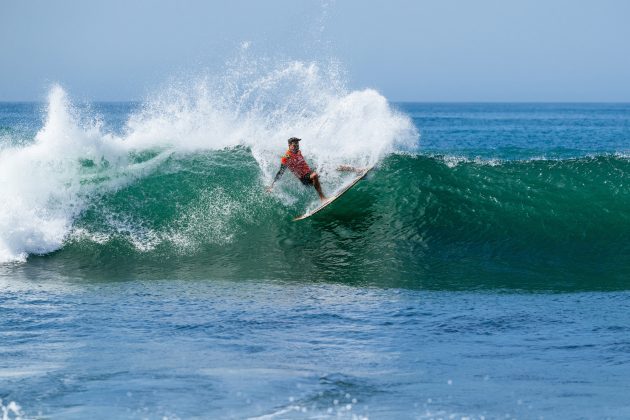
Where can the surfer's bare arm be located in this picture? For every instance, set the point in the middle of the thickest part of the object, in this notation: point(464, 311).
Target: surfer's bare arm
point(348, 168)
point(277, 177)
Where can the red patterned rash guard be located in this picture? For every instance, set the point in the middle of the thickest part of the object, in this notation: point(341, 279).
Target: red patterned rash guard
point(296, 164)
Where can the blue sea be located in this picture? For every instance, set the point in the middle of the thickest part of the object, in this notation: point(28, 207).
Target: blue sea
point(481, 270)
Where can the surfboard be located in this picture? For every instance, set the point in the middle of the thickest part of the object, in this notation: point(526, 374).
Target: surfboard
point(329, 201)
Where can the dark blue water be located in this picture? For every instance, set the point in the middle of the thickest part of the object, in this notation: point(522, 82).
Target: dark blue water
point(74, 348)
point(432, 322)
point(522, 130)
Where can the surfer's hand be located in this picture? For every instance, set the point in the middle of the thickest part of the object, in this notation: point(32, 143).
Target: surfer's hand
point(269, 188)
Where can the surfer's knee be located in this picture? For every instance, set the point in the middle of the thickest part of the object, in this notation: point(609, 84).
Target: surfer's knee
point(314, 176)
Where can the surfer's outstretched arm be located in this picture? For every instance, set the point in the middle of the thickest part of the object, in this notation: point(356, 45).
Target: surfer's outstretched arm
point(348, 168)
point(277, 177)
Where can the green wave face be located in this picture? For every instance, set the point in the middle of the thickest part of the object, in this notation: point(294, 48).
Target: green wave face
point(176, 187)
point(416, 221)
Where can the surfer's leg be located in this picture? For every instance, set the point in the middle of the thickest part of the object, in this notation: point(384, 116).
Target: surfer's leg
point(317, 185)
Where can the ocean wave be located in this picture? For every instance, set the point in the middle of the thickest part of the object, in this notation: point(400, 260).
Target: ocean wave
point(414, 221)
point(182, 186)
point(48, 183)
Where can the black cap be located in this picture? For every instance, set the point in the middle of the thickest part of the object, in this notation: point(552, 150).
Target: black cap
point(294, 139)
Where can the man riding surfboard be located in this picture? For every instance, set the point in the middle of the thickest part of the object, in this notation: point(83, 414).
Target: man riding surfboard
point(294, 160)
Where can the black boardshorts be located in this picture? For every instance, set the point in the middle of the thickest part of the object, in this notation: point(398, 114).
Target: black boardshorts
point(306, 179)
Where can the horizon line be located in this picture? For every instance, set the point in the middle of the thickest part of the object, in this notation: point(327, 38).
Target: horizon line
point(406, 101)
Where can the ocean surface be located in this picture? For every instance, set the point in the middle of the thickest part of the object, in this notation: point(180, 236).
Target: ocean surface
point(481, 271)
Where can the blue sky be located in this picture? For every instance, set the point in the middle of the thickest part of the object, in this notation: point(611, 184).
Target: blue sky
point(553, 50)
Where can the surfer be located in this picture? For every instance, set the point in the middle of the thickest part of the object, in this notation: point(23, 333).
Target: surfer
point(294, 160)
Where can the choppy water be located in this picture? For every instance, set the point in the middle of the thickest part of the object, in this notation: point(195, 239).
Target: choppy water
point(482, 270)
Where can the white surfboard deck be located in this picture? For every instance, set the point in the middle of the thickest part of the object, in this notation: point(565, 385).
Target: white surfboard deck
point(324, 204)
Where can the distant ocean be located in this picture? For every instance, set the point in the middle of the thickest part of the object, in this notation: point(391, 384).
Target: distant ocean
point(481, 271)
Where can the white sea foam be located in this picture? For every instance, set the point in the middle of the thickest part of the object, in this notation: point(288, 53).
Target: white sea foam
point(12, 411)
point(45, 185)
